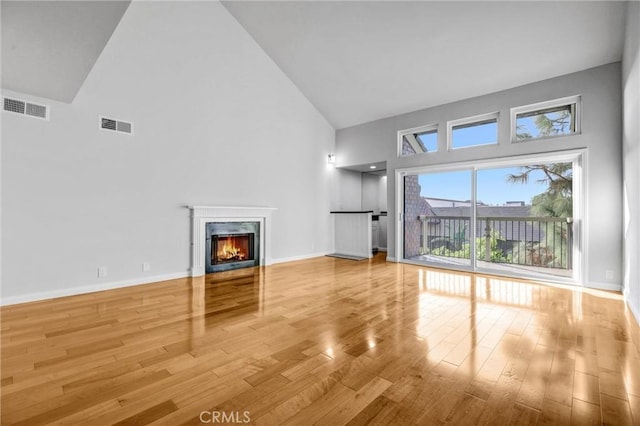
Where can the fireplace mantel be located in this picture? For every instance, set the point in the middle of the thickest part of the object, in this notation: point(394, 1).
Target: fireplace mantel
point(201, 215)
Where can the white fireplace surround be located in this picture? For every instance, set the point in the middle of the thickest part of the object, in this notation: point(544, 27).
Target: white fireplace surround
point(201, 215)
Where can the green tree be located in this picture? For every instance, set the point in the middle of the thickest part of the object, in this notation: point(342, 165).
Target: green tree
point(553, 122)
point(556, 200)
point(556, 121)
point(463, 251)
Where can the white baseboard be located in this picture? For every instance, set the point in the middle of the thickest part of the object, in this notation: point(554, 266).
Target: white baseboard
point(74, 291)
point(635, 310)
point(604, 286)
point(301, 257)
point(391, 259)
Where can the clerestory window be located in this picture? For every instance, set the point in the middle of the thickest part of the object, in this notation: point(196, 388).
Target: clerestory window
point(473, 131)
point(418, 141)
point(545, 120)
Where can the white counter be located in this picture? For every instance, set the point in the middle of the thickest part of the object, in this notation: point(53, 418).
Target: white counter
point(353, 233)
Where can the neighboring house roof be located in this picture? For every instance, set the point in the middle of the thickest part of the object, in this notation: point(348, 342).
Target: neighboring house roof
point(425, 208)
point(504, 211)
point(447, 202)
point(484, 211)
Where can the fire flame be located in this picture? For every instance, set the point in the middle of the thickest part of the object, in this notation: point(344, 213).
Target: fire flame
point(229, 251)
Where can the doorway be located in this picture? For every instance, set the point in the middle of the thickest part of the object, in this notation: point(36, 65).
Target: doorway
point(517, 217)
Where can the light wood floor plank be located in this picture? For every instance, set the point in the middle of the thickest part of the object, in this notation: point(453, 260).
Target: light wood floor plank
point(327, 341)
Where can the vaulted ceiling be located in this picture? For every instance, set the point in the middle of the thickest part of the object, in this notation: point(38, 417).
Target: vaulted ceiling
point(49, 47)
point(356, 61)
point(360, 61)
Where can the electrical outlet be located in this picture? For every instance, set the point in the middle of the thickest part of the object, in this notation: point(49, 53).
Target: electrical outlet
point(102, 271)
point(146, 267)
point(608, 274)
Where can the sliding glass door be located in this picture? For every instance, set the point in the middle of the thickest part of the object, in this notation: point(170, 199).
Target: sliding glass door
point(524, 219)
point(516, 218)
point(437, 217)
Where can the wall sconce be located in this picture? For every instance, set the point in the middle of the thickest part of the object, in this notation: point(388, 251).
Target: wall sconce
point(331, 159)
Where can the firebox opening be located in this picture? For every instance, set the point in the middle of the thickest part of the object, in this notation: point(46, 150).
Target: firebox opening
point(232, 245)
point(232, 248)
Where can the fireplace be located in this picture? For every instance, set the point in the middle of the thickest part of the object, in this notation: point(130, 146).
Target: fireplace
point(203, 216)
point(232, 245)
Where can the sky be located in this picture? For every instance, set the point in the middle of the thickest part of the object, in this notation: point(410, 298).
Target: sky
point(482, 134)
point(463, 137)
point(492, 184)
point(528, 124)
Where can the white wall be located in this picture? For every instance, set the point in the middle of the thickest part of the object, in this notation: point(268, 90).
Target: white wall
point(374, 192)
point(216, 123)
point(359, 191)
point(601, 136)
point(382, 193)
point(348, 190)
point(631, 157)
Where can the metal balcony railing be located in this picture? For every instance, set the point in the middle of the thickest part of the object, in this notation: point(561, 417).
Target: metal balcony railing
point(531, 241)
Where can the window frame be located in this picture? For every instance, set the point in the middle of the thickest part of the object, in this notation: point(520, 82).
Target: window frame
point(429, 128)
point(579, 159)
point(470, 122)
point(573, 102)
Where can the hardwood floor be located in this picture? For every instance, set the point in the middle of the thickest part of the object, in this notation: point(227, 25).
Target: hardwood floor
point(327, 341)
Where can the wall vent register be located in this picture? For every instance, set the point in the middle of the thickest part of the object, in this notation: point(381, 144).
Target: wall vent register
point(116, 125)
point(26, 108)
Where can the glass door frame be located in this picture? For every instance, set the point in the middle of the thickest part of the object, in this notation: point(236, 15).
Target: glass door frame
point(579, 256)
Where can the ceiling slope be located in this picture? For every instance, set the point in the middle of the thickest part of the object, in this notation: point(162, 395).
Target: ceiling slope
point(358, 61)
point(49, 47)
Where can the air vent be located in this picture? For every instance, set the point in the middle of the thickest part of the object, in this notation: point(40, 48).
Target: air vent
point(123, 126)
point(108, 124)
point(14, 105)
point(34, 110)
point(115, 125)
point(26, 108)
